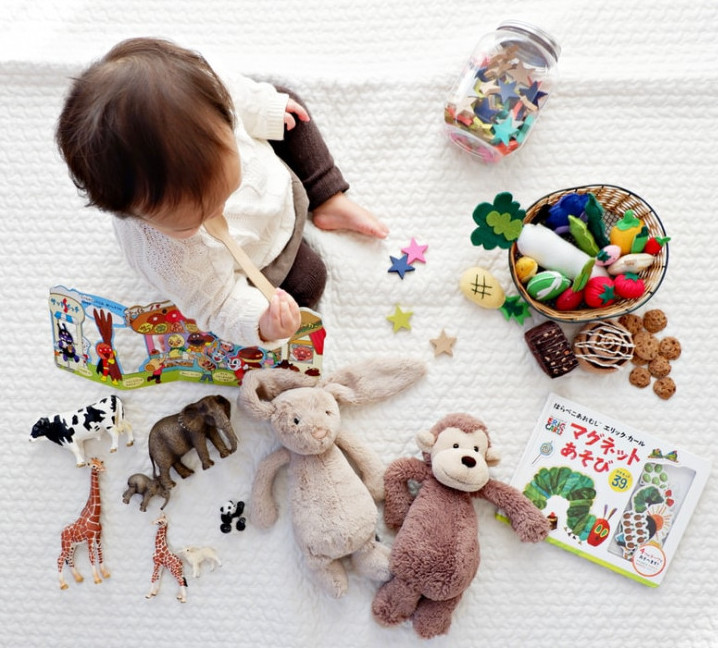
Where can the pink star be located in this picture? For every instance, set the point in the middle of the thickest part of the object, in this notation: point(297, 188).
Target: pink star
point(414, 251)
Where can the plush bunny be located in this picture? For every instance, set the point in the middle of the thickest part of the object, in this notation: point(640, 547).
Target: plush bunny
point(333, 509)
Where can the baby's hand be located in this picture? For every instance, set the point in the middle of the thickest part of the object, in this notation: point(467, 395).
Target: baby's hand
point(281, 319)
point(299, 110)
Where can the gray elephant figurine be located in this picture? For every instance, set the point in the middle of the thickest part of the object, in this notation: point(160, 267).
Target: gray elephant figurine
point(148, 487)
point(174, 436)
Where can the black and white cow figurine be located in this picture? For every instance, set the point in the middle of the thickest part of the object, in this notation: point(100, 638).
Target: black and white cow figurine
point(72, 429)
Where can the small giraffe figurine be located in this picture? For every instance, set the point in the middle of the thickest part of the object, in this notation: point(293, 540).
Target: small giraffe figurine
point(163, 557)
point(86, 528)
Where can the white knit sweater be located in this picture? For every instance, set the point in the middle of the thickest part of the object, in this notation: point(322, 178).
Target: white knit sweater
point(198, 273)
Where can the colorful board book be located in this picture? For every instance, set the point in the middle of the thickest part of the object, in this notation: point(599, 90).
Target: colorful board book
point(614, 495)
point(139, 346)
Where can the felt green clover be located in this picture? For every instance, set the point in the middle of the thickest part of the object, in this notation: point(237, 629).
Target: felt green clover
point(499, 223)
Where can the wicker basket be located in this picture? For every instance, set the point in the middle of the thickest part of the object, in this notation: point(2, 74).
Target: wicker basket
point(615, 201)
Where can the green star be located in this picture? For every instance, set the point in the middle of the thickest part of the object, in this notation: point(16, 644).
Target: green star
point(400, 319)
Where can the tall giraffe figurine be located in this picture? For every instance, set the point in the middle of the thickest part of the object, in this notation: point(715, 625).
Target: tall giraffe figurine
point(163, 557)
point(86, 528)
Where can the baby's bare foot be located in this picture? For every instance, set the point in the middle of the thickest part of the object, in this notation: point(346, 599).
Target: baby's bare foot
point(340, 213)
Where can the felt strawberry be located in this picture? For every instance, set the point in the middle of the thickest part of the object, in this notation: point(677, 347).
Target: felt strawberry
point(599, 292)
point(571, 298)
point(629, 286)
point(655, 243)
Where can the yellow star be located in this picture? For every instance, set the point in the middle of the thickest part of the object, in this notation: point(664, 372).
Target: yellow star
point(443, 344)
point(400, 319)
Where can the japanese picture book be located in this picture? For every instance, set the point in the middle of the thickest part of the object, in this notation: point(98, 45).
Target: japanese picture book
point(617, 496)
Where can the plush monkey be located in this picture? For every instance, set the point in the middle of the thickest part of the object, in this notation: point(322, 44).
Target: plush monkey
point(435, 555)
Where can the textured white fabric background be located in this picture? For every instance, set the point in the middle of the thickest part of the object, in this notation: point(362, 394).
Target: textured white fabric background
point(636, 106)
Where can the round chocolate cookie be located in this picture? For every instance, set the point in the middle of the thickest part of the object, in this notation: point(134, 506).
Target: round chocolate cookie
point(659, 367)
point(669, 348)
point(647, 349)
point(654, 320)
point(664, 387)
point(640, 377)
point(631, 322)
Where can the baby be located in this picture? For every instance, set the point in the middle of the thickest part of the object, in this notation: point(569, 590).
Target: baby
point(151, 134)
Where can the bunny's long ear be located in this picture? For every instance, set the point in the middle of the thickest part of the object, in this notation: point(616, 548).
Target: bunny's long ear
point(261, 386)
point(374, 380)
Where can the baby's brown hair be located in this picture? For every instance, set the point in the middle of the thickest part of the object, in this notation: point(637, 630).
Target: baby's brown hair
point(140, 127)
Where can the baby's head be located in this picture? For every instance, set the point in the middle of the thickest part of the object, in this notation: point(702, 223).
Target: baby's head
point(146, 131)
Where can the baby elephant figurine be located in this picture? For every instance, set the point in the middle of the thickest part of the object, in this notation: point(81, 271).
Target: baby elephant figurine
point(333, 511)
point(174, 436)
point(148, 487)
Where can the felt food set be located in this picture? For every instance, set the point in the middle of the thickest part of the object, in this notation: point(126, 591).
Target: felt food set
point(589, 253)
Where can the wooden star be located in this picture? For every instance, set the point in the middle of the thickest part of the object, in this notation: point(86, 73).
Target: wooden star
point(414, 252)
point(400, 319)
point(401, 265)
point(443, 344)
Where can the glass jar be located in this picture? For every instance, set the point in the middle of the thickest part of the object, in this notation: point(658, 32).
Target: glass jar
point(503, 88)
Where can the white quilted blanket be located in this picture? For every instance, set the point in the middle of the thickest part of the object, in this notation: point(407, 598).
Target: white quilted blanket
point(636, 106)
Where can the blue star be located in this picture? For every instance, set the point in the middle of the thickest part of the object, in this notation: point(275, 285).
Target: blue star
point(484, 111)
point(533, 94)
point(507, 90)
point(400, 265)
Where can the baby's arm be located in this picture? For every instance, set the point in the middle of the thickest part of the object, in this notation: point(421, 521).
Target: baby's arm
point(204, 286)
point(262, 110)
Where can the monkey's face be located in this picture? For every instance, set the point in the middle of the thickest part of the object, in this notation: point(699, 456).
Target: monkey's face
point(458, 459)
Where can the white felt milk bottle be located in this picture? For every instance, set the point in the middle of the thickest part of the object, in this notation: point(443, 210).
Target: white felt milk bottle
point(552, 252)
point(503, 88)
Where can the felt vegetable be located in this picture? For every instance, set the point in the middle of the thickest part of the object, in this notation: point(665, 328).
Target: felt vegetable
point(608, 255)
point(625, 230)
point(526, 267)
point(571, 298)
point(639, 243)
point(599, 292)
point(553, 252)
point(547, 284)
point(629, 286)
point(631, 263)
point(584, 239)
point(655, 243)
point(499, 223)
point(570, 204)
point(594, 219)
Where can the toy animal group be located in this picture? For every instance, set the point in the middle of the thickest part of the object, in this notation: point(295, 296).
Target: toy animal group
point(169, 440)
point(334, 483)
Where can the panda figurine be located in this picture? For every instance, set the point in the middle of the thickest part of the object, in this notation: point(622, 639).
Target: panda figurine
point(230, 510)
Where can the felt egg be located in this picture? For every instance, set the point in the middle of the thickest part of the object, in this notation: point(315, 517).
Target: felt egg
point(481, 287)
point(631, 263)
point(525, 267)
point(629, 286)
point(608, 255)
point(547, 284)
point(599, 292)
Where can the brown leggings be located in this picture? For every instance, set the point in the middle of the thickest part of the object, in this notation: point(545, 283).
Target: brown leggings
point(304, 151)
